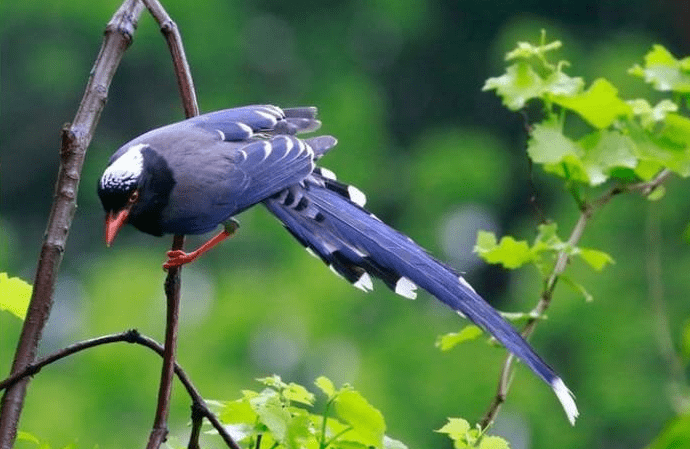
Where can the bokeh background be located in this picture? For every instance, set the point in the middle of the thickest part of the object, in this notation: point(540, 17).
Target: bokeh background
point(398, 82)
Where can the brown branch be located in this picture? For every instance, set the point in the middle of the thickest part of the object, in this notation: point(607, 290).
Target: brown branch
point(134, 337)
point(172, 293)
point(75, 140)
point(185, 84)
point(562, 259)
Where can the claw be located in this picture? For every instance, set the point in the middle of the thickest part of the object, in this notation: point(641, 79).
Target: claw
point(178, 258)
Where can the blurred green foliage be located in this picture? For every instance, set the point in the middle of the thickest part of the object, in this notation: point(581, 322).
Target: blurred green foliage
point(398, 82)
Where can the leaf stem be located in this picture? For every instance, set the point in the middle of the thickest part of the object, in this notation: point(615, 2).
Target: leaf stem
point(338, 435)
point(322, 440)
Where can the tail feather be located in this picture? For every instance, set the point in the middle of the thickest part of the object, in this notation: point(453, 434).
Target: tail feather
point(327, 217)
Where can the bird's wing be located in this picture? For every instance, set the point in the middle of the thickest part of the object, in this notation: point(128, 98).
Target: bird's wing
point(267, 157)
point(239, 124)
point(237, 158)
point(267, 167)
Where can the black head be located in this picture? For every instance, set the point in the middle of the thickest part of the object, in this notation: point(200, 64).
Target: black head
point(135, 188)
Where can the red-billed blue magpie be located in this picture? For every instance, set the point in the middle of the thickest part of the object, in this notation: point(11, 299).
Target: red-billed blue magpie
point(192, 176)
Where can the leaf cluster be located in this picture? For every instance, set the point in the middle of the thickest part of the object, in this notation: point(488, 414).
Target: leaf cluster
point(279, 417)
point(466, 437)
point(625, 140)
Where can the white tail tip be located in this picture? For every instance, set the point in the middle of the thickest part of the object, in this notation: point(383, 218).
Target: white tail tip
point(567, 399)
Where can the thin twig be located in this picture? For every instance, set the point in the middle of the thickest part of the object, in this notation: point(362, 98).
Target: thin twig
point(133, 337)
point(562, 259)
point(75, 140)
point(172, 282)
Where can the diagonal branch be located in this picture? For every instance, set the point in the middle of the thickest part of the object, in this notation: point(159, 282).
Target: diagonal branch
point(562, 259)
point(75, 140)
point(131, 336)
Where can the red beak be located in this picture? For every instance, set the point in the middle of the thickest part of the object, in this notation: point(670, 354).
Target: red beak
point(113, 223)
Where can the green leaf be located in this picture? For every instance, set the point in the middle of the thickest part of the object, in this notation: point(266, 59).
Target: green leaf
point(650, 116)
point(236, 412)
point(556, 152)
point(547, 236)
point(493, 442)
point(562, 85)
point(595, 258)
point(600, 105)
point(518, 85)
point(459, 430)
point(669, 147)
point(577, 288)
point(605, 151)
point(455, 428)
point(548, 145)
point(299, 431)
point(591, 160)
point(508, 252)
point(367, 422)
point(297, 393)
point(486, 241)
point(452, 339)
point(663, 71)
point(15, 295)
point(272, 413)
point(324, 384)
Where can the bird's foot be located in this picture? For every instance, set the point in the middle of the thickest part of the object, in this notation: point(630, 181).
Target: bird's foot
point(178, 258)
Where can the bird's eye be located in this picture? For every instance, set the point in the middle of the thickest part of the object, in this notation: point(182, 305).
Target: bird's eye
point(134, 197)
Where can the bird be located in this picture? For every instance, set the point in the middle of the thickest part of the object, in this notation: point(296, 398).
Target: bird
point(195, 175)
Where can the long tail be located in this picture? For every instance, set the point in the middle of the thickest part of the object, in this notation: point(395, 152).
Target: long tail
point(328, 218)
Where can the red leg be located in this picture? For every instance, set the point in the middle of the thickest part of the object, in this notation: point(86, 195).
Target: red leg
point(179, 257)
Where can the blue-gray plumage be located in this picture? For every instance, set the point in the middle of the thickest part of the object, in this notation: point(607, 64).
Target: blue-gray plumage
point(191, 176)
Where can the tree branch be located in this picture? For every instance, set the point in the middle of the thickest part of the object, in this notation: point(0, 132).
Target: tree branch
point(75, 140)
point(134, 337)
point(185, 84)
point(562, 259)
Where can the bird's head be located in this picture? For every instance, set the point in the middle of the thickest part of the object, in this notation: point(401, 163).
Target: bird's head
point(135, 188)
point(119, 189)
